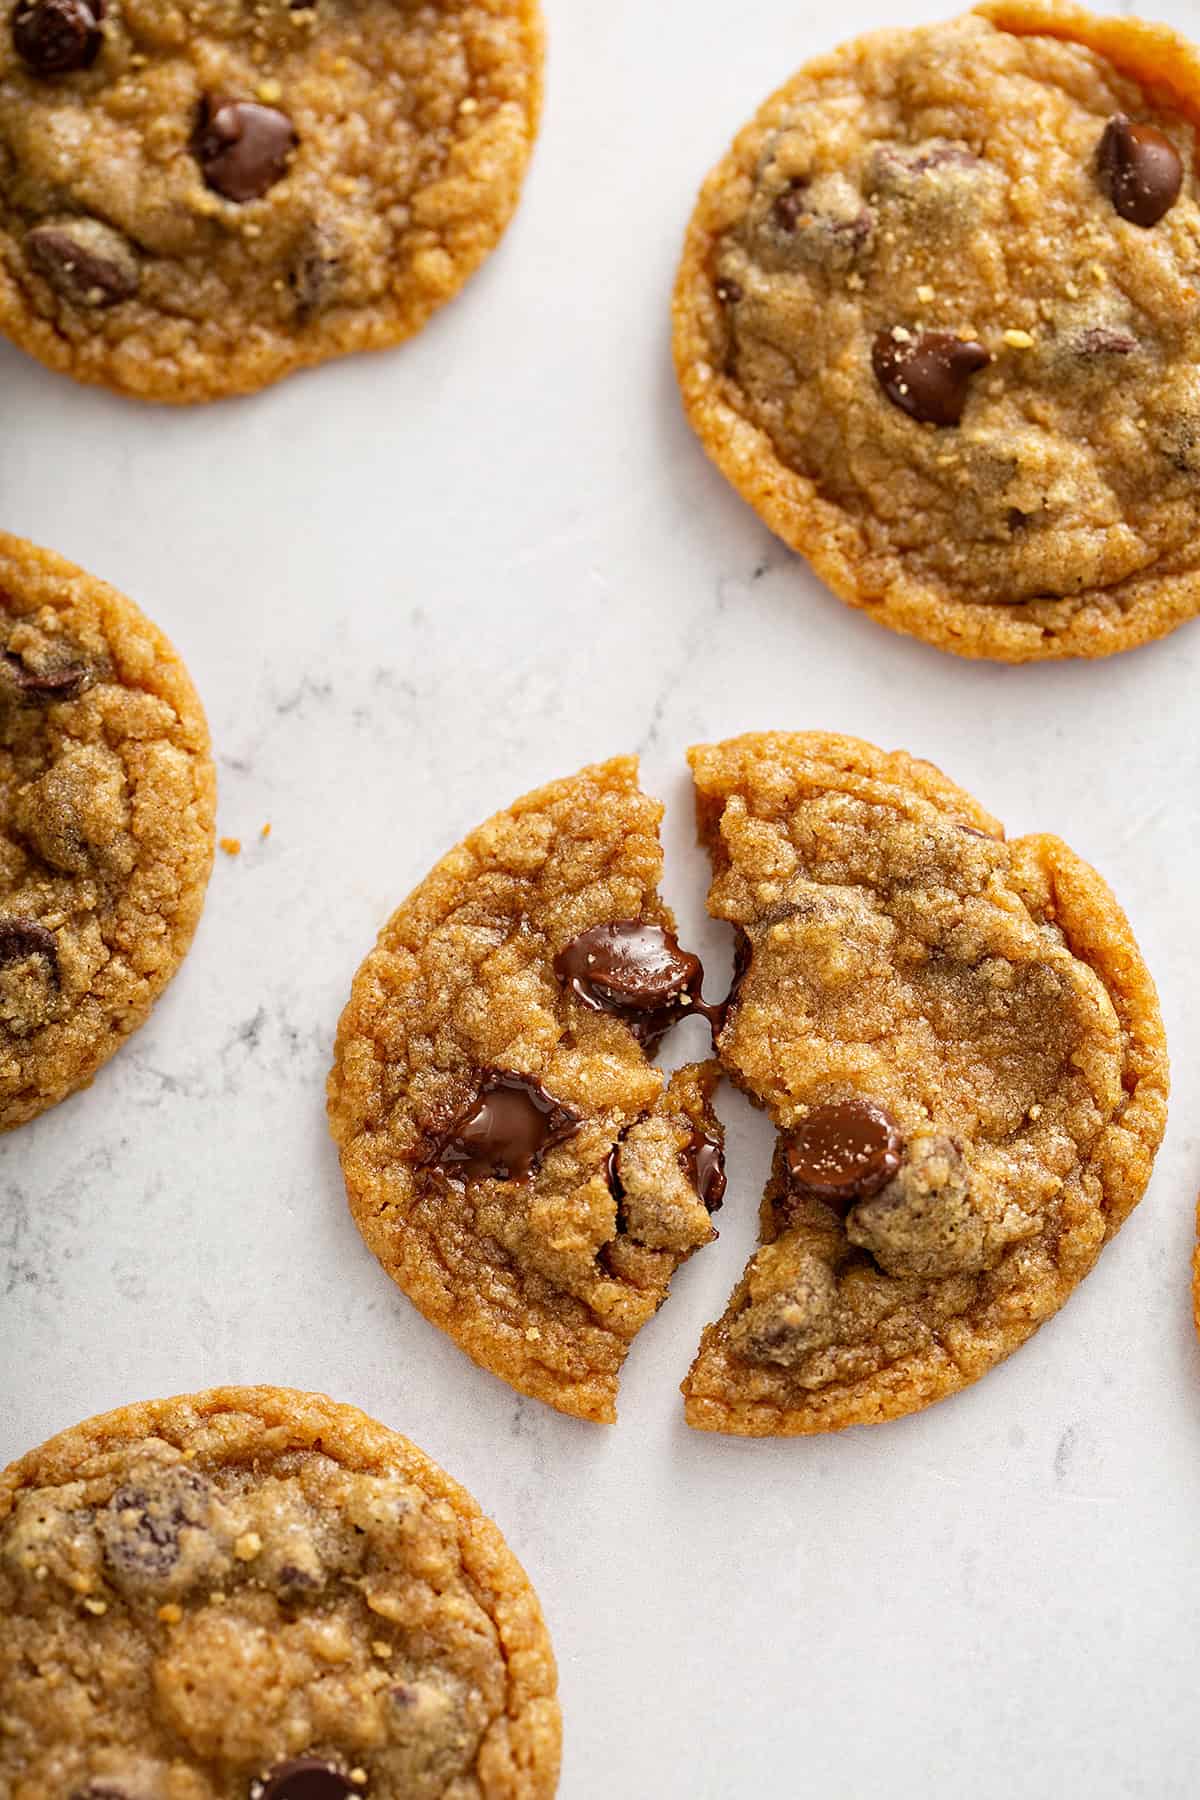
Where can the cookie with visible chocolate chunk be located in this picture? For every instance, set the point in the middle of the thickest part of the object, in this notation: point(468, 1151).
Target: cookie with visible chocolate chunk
point(511, 1154)
point(255, 1594)
point(195, 204)
point(936, 321)
point(107, 803)
point(962, 1050)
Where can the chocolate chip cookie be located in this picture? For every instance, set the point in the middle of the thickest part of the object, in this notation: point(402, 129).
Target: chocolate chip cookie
point(962, 1050)
point(937, 321)
point(511, 1154)
point(107, 802)
point(195, 202)
point(254, 1594)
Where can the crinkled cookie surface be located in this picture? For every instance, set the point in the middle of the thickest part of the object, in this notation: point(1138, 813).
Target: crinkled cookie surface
point(195, 201)
point(511, 1154)
point(254, 1594)
point(938, 321)
point(962, 1049)
point(107, 801)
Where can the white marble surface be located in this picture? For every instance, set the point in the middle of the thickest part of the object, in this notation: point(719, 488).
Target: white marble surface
point(409, 588)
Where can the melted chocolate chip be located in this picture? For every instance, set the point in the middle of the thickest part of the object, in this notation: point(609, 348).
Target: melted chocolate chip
point(636, 971)
point(1140, 170)
point(242, 148)
point(616, 1186)
point(843, 1152)
point(703, 1162)
point(303, 1778)
point(64, 683)
point(22, 938)
point(727, 290)
point(56, 37)
point(926, 373)
point(505, 1130)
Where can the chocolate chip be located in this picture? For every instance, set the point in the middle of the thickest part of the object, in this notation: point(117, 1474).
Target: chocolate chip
point(789, 206)
point(303, 1778)
point(635, 971)
point(844, 1152)
point(825, 221)
point(1140, 170)
point(612, 1174)
point(65, 682)
point(727, 290)
point(926, 373)
point(242, 147)
point(56, 37)
point(23, 938)
point(703, 1162)
point(505, 1130)
point(141, 1525)
point(85, 261)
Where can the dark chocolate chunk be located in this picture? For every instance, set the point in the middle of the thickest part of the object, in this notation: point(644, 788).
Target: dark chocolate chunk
point(703, 1162)
point(637, 972)
point(63, 683)
point(926, 373)
point(141, 1525)
point(56, 37)
point(1140, 170)
point(22, 938)
point(242, 148)
point(505, 1130)
point(303, 1778)
point(85, 261)
point(727, 290)
point(843, 1152)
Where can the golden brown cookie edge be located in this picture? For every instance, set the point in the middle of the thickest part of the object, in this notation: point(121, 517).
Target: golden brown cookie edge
point(1098, 932)
point(1090, 625)
point(362, 1444)
point(174, 685)
point(249, 371)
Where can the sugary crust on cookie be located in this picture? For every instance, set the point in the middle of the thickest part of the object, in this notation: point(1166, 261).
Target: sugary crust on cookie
point(536, 1280)
point(203, 329)
point(252, 1431)
point(1142, 605)
point(128, 758)
point(725, 1392)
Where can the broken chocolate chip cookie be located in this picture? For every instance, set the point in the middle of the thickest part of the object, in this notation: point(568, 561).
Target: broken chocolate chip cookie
point(107, 801)
point(962, 1051)
point(254, 1594)
point(196, 204)
point(511, 1155)
point(937, 321)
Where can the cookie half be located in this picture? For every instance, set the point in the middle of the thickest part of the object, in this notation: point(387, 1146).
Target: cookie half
point(195, 206)
point(107, 803)
point(255, 1594)
point(935, 321)
point(511, 1154)
point(961, 1047)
